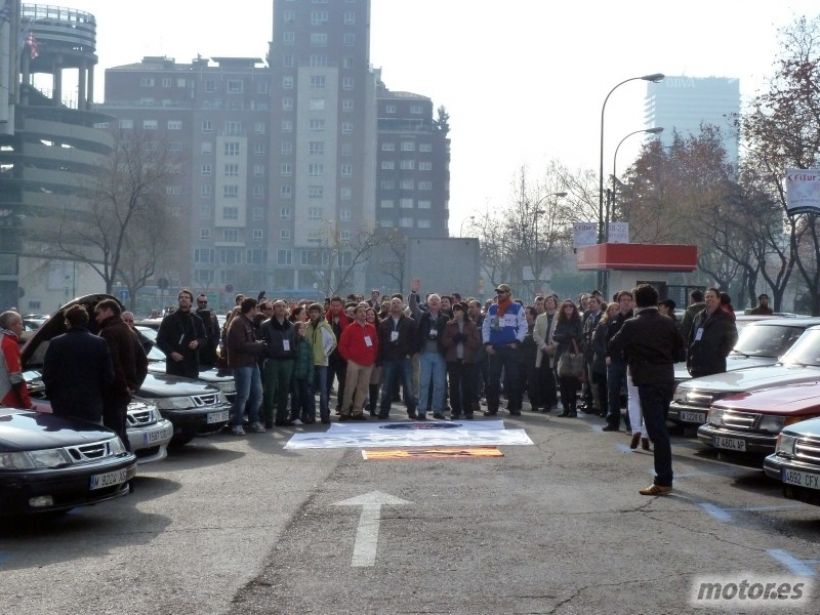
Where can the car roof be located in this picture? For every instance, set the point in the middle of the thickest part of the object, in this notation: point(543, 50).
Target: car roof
point(788, 322)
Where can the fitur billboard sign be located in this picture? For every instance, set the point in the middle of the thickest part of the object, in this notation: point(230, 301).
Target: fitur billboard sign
point(802, 187)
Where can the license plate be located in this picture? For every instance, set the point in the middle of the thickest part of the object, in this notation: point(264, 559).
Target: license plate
point(218, 417)
point(156, 436)
point(109, 479)
point(731, 444)
point(692, 417)
point(801, 479)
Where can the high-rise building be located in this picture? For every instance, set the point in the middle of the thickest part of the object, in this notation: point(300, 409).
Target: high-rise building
point(684, 104)
point(212, 117)
point(323, 143)
point(413, 188)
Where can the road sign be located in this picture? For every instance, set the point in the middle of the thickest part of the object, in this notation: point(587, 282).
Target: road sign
point(124, 295)
point(162, 283)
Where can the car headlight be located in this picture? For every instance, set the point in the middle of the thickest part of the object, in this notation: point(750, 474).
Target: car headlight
point(34, 460)
point(785, 445)
point(716, 417)
point(175, 403)
point(116, 446)
point(772, 423)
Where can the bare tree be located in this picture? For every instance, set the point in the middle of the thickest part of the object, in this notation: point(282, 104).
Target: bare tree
point(130, 188)
point(338, 260)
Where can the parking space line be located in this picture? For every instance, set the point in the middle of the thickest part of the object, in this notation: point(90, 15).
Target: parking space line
point(624, 448)
point(713, 510)
point(795, 565)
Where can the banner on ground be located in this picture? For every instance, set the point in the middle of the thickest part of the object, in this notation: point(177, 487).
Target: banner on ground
point(404, 433)
point(802, 187)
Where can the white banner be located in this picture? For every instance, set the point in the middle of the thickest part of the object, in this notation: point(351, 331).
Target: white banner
point(584, 234)
point(406, 433)
point(618, 232)
point(802, 187)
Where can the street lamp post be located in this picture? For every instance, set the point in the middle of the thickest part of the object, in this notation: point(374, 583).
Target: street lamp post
point(461, 227)
point(537, 273)
point(611, 204)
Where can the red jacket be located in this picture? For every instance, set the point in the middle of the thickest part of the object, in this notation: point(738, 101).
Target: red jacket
point(11, 393)
point(359, 344)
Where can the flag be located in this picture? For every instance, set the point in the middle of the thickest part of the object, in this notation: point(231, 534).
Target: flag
point(33, 47)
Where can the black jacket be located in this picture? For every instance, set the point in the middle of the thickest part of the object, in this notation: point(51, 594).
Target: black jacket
point(175, 333)
point(207, 354)
point(564, 333)
point(615, 325)
point(275, 335)
point(707, 355)
point(402, 347)
point(652, 344)
point(426, 324)
point(77, 371)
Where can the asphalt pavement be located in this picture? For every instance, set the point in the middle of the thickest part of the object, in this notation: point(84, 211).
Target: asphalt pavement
point(240, 526)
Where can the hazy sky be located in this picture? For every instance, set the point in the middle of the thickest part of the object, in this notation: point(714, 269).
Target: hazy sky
point(523, 80)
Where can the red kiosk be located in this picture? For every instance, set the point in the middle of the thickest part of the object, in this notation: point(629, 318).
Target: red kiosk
point(629, 264)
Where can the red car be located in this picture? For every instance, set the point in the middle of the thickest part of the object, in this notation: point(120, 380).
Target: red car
point(751, 421)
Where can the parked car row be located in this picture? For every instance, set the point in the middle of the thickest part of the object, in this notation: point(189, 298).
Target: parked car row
point(769, 410)
point(52, 464)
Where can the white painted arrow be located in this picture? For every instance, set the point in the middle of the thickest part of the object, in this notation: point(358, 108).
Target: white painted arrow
point(367, 535)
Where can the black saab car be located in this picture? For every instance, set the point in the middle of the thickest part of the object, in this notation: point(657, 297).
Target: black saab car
point(193, 407)
point(796, 461)
point(50, 464)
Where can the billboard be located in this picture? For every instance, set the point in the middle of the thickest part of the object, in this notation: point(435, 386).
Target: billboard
point(802, 188)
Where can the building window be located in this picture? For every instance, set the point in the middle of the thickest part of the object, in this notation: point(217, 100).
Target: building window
point(206, 169)
point(390, 109)
point(205, 190)
point(287, 104)
point(287, 60)
point(408, 146)
point(416, 109)
point(147, 82)
point(317, 18)
point(286, 148)
point(287, 126)
point(386, 223)
point(406, 203)
point(408, 184)
point(425, 166)
point(288, 38)
point(230, 191)
point(259, 148)
point(347, 62)
point(317, 81)
point(347, 104)
point(259, 128)
point(233, 128)
point(316, 169)
point(167, 82)
point(406, 222)
point(206, 147)
point(286, 191)
point(317, 104)
point(284, 213)
point(231, 148)
point(316, 148)
point(283, 257)
point(316, 125)
point(346, 149)
point(175, 147)
point(258, 191)
point(388, 165)
point(234, 86)
point(423, 223)
point(350, 18)
point(347, 128)
point(287, 83)
point(207, 126)
point(345, 215)
point(347, 83)
point(425, 185)
point(204, 276)
point(345, 194)
point(230, 213)
point(210, 85)
point(173, 190)
point(387, 203)
point(346, 170)
point(262, 87)
point(258, 214)
point(289, 16)
point(318, 39)
point(314, 213)
point(388, 146)
point(174, 124)
point(181, 83)
point(424, 204)
point(425, 147)
point(387, 184)
point(126, 124)
point(317, 60)
point(258, 170)
point(407, 165)
point(316, 192)
point(204, 256)
point(349, 39)
point(150, 124)
point(285, 169)
point(231, 170)
point(258, 234)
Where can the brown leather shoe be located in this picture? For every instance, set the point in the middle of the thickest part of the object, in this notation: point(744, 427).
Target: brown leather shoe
point(645, 444)
point(636, 437)
point(656, 490)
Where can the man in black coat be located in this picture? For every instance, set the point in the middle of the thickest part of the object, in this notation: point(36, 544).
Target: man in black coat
point(711, 339)
point(652, 344)
point(207, 353)
point(180, 336)
point(77, 370)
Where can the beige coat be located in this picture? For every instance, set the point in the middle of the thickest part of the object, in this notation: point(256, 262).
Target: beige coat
point(543, 338)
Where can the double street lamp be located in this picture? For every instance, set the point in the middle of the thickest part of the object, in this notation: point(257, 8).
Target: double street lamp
point(537, 273)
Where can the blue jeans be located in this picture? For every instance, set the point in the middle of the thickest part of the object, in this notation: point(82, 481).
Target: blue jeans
point(392, 370)
point(432, 370)
point(655, 399)
point(615, 381)
point(320, 384)
point(248, 394)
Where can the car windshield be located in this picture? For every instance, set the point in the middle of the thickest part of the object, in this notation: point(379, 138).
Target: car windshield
point(806, 350)
point(766, 341)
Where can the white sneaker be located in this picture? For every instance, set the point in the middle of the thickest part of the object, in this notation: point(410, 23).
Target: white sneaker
point(257, 427)
point(237, 430)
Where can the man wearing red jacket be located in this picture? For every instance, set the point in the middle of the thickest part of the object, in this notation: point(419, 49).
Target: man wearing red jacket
point(13, 391)
point(338, 320)
point(359, 346)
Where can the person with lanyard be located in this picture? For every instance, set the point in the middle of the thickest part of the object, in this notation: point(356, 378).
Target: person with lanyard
point(503, 331)
point(323, 342)
point(432, 368)
point(180, 336)
point(461, 342)
point(336, 368)
point(542, 334)
point(712, 338)
point(13, 390)
point(359, 346)
point(396, 345)
point(279, 336)
point(616, 373)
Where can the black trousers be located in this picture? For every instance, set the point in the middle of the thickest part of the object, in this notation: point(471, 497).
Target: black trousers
point(462, 387)
point(655, 400)
point(569, 392)
point(115, 417)
point(336, 367)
